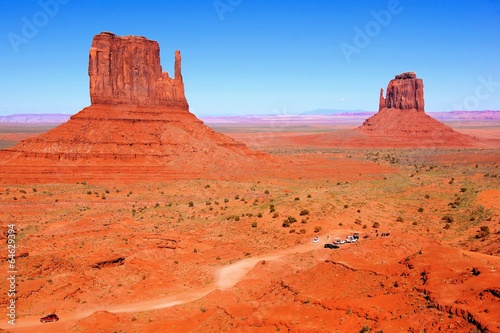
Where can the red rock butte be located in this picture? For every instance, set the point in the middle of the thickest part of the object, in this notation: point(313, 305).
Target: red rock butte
point(401, 116)
point(139, 116)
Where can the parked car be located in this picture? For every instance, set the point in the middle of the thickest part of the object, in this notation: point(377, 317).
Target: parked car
point(355, 235)
point(50, 318)
point(338, 241)
point(331, 246)
point(351, 239)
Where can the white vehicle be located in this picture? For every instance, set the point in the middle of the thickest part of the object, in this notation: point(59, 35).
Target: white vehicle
point(338, 241)
point(351, 239)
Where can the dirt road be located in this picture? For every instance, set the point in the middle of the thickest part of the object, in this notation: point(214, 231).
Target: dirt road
point(225, 278)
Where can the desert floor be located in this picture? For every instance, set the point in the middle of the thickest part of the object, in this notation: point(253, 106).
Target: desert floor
point(209, 255)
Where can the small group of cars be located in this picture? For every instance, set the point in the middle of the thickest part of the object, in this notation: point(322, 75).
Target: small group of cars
point(338, 241)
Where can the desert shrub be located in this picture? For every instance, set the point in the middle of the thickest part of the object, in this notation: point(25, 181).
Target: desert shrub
point(292, 219)
point(420, 210)
point(427, 196)
point(254, 224)
point(275, 215)
point(484, 231)
point(309, 196)
point(447, 226)
point(376, 225)
point(399, 219)
point(317, 228)
point(365, 329)
point(472, 219)
point(297, 199)
point(346, 206)
point(207, 186)
point(259, 215)
point(34, 189)
point(447, 219)
point(191, 204)
point(291, 231)
point(208, 203)
point(357, 221)
point(272, 208)
point(237, 197)
point(237, 218)
point(107, 191)
point(463, 189)
point(302, 231)
point(304, 212)
point(266, 191)
point(414, 223)
point(89, 192)
point(341, 224)
point(226, 200)
point(286, 224)
point(365, 226)
point(451, 181)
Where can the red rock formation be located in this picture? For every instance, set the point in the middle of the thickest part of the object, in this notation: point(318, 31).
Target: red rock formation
point(404, 92)
point(127, 70)
point(138, 115)
point(401, 118)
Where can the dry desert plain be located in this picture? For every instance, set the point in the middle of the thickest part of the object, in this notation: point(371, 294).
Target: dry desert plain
point(236, 254)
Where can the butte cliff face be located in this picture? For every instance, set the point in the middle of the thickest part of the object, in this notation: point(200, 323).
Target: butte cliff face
point(139, 116)
point(401, 118)
point(127, 70)
point(404, 92)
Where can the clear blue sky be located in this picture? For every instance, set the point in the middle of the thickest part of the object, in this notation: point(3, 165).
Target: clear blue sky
point(260, 56)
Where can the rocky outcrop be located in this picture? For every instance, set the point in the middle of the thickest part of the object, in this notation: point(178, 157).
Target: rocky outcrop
point(401, 119)
point(127, 70)
point(404, 92)
point(139, 116)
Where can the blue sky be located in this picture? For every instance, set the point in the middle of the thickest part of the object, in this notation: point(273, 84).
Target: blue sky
point(260, 56)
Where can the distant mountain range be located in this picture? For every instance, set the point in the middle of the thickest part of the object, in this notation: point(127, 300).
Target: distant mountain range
point(57, 118)
point(318, 115)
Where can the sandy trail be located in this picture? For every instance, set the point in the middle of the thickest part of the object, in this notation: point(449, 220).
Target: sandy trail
point(225, 277)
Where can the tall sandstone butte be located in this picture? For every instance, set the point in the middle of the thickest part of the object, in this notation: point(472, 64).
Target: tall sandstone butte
point(401, 118)
point(127, 70)
point(139, 116)
point(404, 92)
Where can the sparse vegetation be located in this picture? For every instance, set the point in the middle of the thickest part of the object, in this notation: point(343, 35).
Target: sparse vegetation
point(304, 212)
